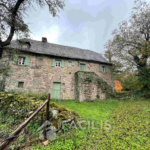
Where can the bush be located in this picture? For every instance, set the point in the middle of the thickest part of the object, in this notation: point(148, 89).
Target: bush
point(97, 96)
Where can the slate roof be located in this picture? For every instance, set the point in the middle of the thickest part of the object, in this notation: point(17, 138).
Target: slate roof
point(46, 48)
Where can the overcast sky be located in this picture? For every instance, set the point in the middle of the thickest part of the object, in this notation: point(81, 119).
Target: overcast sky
point(86, 24)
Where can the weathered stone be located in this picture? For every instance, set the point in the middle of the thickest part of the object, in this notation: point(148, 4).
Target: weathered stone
point(55, 112)
point(41, 79)
point(88, 89)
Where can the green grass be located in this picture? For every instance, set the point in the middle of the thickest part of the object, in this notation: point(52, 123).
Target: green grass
point(83, 138)
point(90, 110)
point(123, 92)
point(129, 120)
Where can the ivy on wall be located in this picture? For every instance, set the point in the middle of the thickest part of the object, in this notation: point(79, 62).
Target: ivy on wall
point(82, 78)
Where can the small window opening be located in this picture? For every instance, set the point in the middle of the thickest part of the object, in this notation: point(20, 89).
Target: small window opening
point(70, 63)
point(104, 68)
point(20, 84)
point(24, 46)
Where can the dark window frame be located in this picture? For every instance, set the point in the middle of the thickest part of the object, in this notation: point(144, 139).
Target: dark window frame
point(20, 84)
point(21, 62)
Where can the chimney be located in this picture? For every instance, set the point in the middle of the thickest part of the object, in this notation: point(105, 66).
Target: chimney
point(44, 39)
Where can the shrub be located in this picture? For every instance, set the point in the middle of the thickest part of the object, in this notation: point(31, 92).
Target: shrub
point(97, 96)
point(118, 86)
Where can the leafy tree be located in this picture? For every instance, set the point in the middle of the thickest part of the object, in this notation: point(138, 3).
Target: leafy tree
point(12, 13)
point(118, 86)
point(132, 40)
point(129, 81)
point(111, 55)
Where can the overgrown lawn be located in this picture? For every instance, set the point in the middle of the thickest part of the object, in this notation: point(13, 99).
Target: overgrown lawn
point(129, 120)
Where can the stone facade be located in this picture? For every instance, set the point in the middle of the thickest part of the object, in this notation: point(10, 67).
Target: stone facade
point(88, 85)
point(39, 75)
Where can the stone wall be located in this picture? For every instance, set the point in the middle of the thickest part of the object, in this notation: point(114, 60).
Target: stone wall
point(89, 85)
point(40, 75)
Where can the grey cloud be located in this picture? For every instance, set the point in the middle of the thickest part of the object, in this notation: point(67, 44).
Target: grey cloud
point(80, 25)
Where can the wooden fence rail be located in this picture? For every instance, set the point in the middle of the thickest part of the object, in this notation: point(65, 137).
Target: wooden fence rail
point(13, 137)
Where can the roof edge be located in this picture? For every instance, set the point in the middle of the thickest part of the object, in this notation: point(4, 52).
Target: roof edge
point(107, 63)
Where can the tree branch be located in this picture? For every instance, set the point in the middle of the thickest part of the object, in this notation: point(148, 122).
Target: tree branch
point(1, 4)
point(13, 20)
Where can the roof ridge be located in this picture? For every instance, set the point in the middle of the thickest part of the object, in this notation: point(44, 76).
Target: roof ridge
point(61, 45)
point(59, 50)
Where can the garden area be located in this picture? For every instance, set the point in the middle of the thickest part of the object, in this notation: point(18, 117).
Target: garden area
point(129, 120)
point(107, 124)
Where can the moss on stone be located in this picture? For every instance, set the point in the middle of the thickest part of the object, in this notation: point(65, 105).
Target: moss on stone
point(61, 108)
point(82, 78)
point(57, 123)
point(53, 104)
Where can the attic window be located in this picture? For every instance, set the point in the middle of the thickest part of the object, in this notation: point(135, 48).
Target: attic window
point(21, 60)
point(24, 46)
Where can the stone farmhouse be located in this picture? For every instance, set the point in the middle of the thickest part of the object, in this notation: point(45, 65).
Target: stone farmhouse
point(65, 72)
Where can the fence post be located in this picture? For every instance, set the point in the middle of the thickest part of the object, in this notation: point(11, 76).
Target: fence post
point(47, 114)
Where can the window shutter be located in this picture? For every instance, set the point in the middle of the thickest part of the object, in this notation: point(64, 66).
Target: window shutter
point(53, 62)
point(73, 63)
point(101, 69)
point(106, 69)
point(15, 60)
point(27, 61)
point(84, 68)
point(62, 63)
point(81, 69)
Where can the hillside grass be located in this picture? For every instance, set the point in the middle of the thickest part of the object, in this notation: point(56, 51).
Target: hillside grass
point(98, 112)
point(129, 120)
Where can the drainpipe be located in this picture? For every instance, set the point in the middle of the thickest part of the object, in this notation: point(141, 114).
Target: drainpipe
point(4, 78)
point(112, 80)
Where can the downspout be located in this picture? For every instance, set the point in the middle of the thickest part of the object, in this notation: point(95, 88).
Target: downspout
point(4, 78)
point(112, 80)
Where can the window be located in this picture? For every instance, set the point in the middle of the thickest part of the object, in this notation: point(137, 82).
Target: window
point(21, 60)
point(104, 68)
point(20, 84)
point(58, 63)
point(82, 67)
point(70, 63)
point(25, 45)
